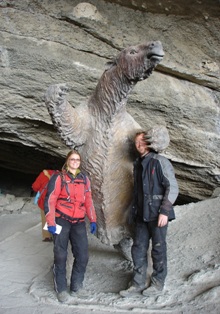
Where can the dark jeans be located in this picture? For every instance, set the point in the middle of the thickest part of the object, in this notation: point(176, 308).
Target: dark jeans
point(77, 235)
point(143, 233)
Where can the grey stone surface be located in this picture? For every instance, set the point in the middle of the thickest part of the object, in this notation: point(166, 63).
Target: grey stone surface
point(192, 285)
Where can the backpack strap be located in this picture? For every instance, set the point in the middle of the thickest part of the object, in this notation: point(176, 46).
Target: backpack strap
point(48, 176)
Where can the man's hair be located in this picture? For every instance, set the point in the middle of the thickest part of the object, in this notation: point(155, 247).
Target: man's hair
point(139, 133)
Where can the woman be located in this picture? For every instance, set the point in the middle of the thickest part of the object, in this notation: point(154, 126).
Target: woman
point(67, 202)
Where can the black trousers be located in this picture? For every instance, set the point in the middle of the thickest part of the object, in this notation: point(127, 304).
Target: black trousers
point(77, 235)
point(144, 232)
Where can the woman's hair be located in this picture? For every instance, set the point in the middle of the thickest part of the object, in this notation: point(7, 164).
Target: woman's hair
point(65, 166)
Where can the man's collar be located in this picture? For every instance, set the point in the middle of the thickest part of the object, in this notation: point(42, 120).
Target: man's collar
point(145, 154)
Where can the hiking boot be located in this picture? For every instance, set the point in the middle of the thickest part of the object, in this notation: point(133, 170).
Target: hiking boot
point(152, 290)
point(81, 293)
point(47, 240)
point(131, 291)
point(62, 296)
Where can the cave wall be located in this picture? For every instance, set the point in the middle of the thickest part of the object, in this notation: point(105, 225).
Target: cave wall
point(48, 42)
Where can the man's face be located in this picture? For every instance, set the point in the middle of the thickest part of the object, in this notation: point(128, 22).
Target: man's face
point(141, 145)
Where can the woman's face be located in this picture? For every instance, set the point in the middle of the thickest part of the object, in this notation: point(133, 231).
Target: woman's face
point(73, 162)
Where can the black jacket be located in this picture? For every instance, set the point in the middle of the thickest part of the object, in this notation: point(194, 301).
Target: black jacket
point(160, 188)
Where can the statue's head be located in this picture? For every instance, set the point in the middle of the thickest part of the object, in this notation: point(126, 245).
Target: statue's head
point(137, 62)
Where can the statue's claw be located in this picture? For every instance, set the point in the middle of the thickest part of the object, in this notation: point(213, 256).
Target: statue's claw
point(61, 91)
point(56, 93)
point(64, 89)
point(157, 138)
point(148, 139)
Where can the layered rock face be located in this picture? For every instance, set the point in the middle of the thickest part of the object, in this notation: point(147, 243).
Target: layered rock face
point(49, 42)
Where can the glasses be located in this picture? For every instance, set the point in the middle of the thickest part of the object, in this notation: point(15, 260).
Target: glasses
point(75, 159)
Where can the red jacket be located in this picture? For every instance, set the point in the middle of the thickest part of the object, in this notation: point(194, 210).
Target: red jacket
point(40, 183)
point(69, 198)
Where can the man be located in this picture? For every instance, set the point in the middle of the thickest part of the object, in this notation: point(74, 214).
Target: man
point(155, 191)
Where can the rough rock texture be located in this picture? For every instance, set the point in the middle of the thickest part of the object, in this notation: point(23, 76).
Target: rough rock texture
point(49, 42)
point(192, 285)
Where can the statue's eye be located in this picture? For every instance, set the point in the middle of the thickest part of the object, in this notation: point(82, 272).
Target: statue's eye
point(133, 52)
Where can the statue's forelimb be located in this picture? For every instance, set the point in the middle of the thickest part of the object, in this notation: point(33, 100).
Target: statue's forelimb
point(65, 118)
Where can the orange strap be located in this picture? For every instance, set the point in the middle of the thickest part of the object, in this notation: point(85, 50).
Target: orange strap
point(46, 173)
